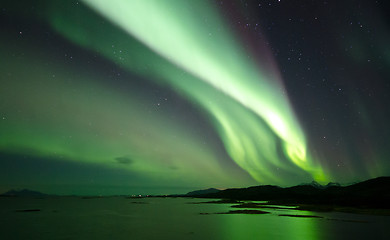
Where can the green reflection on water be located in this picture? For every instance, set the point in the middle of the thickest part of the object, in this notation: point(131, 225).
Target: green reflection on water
point(269, 226)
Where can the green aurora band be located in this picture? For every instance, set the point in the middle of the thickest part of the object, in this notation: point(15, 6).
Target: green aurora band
point(210, 53)
point(64, 118)
point(187, 47)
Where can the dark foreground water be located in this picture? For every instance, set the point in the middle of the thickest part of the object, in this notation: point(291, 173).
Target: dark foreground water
point(155, 218)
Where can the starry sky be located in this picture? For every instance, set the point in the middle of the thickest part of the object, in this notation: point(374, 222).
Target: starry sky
point(167, 96)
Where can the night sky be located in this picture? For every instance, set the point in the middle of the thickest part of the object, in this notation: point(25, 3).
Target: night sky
point(167, 96)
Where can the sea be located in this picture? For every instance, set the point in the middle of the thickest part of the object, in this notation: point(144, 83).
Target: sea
point(174, 218)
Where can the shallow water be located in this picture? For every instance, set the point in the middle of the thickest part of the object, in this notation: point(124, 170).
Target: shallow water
point(178, 218)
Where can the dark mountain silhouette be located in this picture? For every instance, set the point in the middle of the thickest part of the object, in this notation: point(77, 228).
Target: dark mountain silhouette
point(332, 184)
point(23, 193)
point(314, 184)
point(373, 193)
point(317, 185)
point(205, 191)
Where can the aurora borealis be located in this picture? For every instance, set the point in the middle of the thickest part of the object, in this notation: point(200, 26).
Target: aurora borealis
point(160, 95)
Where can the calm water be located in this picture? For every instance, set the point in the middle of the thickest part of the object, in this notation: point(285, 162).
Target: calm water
point(154, 218)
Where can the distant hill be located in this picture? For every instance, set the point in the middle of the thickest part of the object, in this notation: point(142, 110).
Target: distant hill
point(374, 193)
point(205, 191)
point(317, 185)
point(23, 193)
